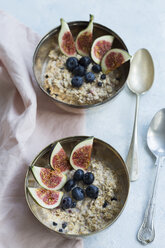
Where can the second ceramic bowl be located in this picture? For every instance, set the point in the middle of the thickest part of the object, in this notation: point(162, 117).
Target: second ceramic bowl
point(102, 152)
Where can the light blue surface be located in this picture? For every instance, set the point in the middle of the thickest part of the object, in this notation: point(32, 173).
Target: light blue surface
point(140, 24)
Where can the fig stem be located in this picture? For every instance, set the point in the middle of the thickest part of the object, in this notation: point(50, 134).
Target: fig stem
point(91, 18)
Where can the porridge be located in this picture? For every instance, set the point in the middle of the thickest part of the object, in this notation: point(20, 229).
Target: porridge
point(57, 82)
point(84, 83)
point(89, 215)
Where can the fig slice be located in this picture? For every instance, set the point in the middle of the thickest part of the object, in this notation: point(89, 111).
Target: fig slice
point(84, 39)
point(81, 154)
point(49, 179)
point(65, 40)
point(59, 160)
point(100, 46)
point(46, 198)
point(113, 59)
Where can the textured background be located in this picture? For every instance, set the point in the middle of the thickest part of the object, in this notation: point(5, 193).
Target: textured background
point(140, 24)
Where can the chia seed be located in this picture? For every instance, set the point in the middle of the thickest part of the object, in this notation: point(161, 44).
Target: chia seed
point(118, 76)
point(114, 199)
point(54, 223)
point(73, 204)
point(105, 204)
point(60, 230)
point(48, 90)
point(46, 76)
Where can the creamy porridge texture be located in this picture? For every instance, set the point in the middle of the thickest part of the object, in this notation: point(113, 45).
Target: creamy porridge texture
point(89, 215)
point(57, 82)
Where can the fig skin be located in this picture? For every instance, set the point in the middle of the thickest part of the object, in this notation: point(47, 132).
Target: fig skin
point(84, 39)
point(65, 40)
point(54, 151)
point(81, 154)
point(48, 178)
point(40, 200)
point(100, 46)
point(113, 59)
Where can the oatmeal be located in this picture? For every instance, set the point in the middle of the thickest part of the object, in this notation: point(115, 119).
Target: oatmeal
point(89, 215)
point(57, 82)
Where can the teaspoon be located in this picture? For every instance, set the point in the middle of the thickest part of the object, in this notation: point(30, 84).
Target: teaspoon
point(140, 80)
point(156, 143)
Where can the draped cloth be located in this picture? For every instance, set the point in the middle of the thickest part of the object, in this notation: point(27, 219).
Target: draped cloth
point(29, 121)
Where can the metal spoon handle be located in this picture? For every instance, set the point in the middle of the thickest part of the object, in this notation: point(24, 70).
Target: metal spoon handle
point(146, 232)
point(132, 158)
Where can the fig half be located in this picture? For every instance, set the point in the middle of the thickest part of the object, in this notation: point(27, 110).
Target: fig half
point(49, 179)
point(59, 160)
point(100, 46)
point(46, 198)
point(84, 39)
point(65, 40)
point(81, 154)
point(113, 59)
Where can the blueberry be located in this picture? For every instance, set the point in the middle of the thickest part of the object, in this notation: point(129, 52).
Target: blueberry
point(78, 194)
point(89, 77)
point(60, 230)
point(88, 178)
point(78, 175)
point(64, 225)
point(79, 70)
point(69, 185)
point(66, 203)
point(71, 63)
point(54, 223)
point(103, 76)
point(85, 61)
point(96, 68)
point(105, 204)
point(92, 191)
point(100, 84)
point(77, 81)
point(73, 204)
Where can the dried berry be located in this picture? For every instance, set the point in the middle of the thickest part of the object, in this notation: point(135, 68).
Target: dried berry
point(64, 225)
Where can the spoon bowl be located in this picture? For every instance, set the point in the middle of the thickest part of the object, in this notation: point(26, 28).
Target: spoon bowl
point(156, 134)
point(140, 80)
point(156, 143)
point(141, 73)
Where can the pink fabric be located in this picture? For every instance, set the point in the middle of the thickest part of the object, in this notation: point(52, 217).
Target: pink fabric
point(29, 121)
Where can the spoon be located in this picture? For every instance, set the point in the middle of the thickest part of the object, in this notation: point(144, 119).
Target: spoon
point(156, 143)
point(140, 80)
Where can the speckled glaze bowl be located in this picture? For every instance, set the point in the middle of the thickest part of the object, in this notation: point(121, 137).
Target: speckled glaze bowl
point(101, 151)
point(50, 40)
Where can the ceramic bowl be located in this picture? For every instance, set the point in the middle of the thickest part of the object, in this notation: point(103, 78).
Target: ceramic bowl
point(102, 152)
point(50, 40)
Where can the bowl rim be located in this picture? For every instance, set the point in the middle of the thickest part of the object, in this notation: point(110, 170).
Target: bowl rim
point(74, 23)
point(52, 144)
